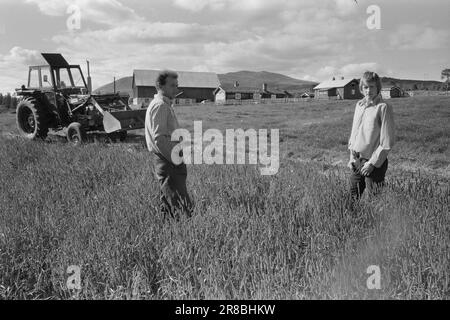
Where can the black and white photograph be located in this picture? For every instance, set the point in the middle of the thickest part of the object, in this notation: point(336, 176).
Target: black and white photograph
point(221, 157)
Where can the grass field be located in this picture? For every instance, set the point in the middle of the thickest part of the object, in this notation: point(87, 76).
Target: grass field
point(287, 236)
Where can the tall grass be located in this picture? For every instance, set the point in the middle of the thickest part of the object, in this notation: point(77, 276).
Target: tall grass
point(289, 236)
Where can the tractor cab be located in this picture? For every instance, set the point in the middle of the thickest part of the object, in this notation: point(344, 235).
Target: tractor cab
point(57, 76)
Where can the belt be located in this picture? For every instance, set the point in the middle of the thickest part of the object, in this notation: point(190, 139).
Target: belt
point(357, 155)
point(159, 155)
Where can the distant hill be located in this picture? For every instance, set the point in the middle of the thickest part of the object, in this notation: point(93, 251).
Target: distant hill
point(275, 81)
point(123, 85)
point(245, 78)
point(411, 84)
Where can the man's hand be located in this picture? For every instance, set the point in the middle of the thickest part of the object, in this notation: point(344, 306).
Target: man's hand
point(351, 164)
point(367, 169)
point(354, 163)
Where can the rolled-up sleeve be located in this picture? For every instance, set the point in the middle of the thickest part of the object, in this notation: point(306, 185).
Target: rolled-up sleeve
point(387, 136)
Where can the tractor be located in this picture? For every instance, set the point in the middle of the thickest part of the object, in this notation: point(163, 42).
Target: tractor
point(58, 99)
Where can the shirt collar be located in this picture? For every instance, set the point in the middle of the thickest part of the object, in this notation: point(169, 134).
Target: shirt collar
point(160, 96)
point(367, 103)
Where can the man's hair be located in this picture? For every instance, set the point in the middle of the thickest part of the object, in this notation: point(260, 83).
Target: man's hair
point(161, 80)
point(372, 77)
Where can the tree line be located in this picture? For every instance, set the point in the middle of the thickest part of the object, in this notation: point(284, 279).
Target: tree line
point(8, 101)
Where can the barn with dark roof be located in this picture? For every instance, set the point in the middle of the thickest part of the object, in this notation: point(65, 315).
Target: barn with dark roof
point(194, 86)
point(338, 89)
point(391, 92)
point(237, 92)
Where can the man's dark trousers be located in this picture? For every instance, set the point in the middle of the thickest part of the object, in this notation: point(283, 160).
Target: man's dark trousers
point(172, 182)
point(373, 182)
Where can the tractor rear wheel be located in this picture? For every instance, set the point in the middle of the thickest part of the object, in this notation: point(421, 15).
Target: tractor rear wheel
point(31, 119)
point(76, 134)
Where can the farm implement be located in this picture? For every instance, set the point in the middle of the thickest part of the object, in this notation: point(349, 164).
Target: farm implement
point(57, 98)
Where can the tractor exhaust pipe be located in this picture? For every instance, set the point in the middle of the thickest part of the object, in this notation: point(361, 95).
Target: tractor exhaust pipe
point(89, 80)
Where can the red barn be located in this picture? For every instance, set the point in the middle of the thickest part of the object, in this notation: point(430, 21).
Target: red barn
point(338, 89)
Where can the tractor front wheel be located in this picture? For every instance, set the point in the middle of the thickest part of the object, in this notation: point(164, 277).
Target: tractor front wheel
point(31, 119)
point(76, 134)
point(123, 135)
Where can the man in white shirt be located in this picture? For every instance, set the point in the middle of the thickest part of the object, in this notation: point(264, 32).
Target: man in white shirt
point(371, 139)
point(160, 122)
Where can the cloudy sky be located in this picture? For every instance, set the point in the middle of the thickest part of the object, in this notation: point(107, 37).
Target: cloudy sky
point(310, 39)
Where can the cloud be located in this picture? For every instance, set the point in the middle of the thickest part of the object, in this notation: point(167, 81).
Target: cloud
point(141, 32)
point(108, 12)
point(350, 70)
point(414, 37)
point(199, 5)
point(14, 67)
point(346, 7)
point(294, 36)
point(341, 7)
point(307, 39)
point(19, 56)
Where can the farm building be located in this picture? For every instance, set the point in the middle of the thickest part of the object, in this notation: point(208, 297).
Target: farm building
point(392, 92)
point(194, 86)
point(338, 89)
point(236, 92)
point(307, 95)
